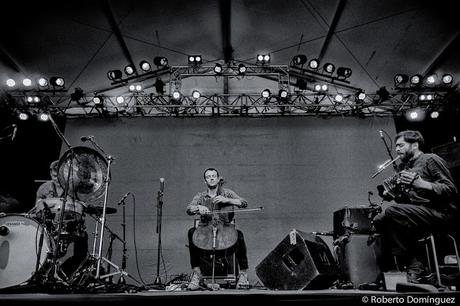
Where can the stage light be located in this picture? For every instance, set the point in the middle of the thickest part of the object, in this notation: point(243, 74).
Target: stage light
point(138, 87)
point(132, 87)
point(415, 115)
point(431, 79)
point(401, 79)
point(324, 87)
point(317, 87)
point(195, 60)
point(283, 94)
point(36, 99)
point(160, 61)
point(241, 69)
point(97, 100)
point(77, 94)
point(263, 59)
point(361, 96)
point(176, 95)
point(30, 99)
point(434, 115)
point(218, 68)
point(23, 116)
point(422, 97)
point(266, 93)
point(344, 72)
point(27, 82)
point(329, 68)
point(338, 98)
point(43, 117)
point(447, 79)
point(383, 94)
point(10, 83)
point(429, 97)
point(145, 65)
point(159, 86)
point(415, 79)
point(313, 64)
point(114, 75)
point(299, 60)
point(120, 99)
point(42, 82)
point(129, 70)
point(301, 84)
point(196, 94)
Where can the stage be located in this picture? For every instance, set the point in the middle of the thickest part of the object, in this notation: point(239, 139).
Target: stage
point(232, 296)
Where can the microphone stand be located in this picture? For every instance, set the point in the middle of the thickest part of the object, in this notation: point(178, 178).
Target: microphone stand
point(122, 279)
point(157, 281)
point(388, 149)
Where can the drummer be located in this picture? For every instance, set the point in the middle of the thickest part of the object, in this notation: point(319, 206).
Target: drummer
point(53, 189)
point(199, 206)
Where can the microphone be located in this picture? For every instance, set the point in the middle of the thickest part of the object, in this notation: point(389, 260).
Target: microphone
point(162, 184)
point(86, 138)
point(123, 198)
point(381, 133)
point(4, 230)
point(15, 129)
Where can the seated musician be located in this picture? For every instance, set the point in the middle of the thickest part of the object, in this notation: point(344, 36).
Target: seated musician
point(425, 204)
point(53, 189)
point(202, 204)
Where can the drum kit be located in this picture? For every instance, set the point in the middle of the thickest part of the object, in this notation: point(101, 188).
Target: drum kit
point(34, 245)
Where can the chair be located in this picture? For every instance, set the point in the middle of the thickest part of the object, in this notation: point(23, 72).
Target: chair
point(430, 244)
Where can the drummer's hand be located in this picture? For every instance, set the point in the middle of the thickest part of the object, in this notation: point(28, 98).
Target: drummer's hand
point(220, 199)
point(203, 210)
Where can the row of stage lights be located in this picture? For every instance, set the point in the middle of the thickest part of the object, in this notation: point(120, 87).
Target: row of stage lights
point(43, 83)
point(328, 68)
point(144, 65)
point(403, 80)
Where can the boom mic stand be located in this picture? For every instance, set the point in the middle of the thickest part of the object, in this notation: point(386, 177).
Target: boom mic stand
point(157, 283)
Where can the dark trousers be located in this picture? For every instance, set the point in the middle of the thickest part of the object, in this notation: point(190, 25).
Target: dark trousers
point(401, 225)
point(196, 254)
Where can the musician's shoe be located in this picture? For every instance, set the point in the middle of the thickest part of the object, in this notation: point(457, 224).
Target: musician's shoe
point(195, 281)
point(415, 271)
point(243, 282)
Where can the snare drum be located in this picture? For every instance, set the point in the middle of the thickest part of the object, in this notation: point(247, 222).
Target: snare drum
point(21, 253)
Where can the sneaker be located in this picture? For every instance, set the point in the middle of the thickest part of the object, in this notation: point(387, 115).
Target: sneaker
point(194, 281)
point(243, 282)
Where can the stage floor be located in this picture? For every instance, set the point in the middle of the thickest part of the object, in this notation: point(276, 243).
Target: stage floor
point(232, 296)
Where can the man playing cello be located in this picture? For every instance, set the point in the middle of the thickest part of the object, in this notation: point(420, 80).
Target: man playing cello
point(203, 204)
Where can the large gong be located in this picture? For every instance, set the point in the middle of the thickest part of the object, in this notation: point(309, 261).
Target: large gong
point(85, 171)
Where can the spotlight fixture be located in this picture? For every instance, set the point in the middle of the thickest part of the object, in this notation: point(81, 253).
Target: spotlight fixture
point(138, 87)
point(30, 99)
point(113, 75)
point(10, 83)
point(401, 79)
point(159, 86)
point(27, 82)
point(77, 94)
point(415, 79)
point(431, 79)
point(434, 115)
point(196, 94)
point(42, 82)
point(283, 94)
point(324, 87)
point(145, 65)
point(195, 60)
point(415, 114)
point(160, 61)
point(43, 117)
point(218, 68)
point(313, 64)
point(338, 98)
point(361, 95)
point(320, 87)
point(23, 116)
point(132, 87)
point(97, 100)
point(447, 79)
point(176, 95)
point(120, 99)
point(57, 81)
point(301, 84)
point(329, 68)
point(263, 59)
point(299, 60)
point(343, 72)
point(317, 87)
point(266, 93)
point(241, 69)
point(129, 70)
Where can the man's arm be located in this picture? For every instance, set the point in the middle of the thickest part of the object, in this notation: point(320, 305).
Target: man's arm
point(195, 206)
point(230, 197)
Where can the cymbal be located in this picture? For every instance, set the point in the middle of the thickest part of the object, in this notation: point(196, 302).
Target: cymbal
point(97, 210)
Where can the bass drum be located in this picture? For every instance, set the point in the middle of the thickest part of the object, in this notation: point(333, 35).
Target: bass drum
point(20, 254)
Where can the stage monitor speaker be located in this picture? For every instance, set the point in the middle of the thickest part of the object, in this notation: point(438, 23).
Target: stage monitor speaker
point(300, 261)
